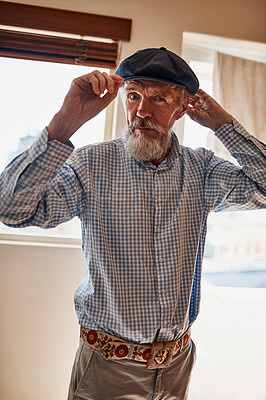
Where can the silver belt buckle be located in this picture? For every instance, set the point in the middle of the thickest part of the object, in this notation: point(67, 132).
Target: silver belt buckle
point(161, 355)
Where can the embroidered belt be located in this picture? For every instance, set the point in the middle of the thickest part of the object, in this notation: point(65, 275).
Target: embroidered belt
point(157, 355)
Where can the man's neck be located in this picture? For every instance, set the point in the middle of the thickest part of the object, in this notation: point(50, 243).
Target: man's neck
point(158, 162)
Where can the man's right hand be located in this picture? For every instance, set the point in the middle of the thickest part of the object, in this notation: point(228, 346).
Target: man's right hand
point(87, 97)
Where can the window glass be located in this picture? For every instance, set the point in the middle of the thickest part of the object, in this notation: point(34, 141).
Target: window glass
point(31, 93)
point(235, 253)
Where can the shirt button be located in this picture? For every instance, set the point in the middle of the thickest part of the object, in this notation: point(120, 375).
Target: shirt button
point(159, 200)
point(42, 147)
point(231, 134)
point(158, 229)
point(163, 291)
point(52, 153)
point(160, 259)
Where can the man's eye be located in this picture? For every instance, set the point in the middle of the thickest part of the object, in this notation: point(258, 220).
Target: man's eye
point(159, 98)
point(133, 96)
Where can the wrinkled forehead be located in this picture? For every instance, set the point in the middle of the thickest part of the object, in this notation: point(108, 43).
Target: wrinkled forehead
point(151, 86)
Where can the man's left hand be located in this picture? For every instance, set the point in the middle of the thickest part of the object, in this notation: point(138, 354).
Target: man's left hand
point(204, 110)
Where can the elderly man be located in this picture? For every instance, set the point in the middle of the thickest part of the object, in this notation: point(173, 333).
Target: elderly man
point(143, 201)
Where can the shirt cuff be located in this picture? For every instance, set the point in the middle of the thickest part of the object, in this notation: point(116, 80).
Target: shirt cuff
point(233, 135)
point(52, 154)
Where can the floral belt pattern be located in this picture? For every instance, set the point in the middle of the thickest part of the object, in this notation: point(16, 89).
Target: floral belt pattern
point(157, 355)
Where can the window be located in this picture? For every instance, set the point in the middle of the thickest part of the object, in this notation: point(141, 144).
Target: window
point(49, 34)
point(235, 253)
point(37, 92)
point(43, 50)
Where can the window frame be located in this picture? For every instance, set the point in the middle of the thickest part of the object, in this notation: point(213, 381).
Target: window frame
point(61, 36)
point(202, 48)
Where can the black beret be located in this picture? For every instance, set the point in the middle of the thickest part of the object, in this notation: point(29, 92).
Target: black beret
point(159, 65)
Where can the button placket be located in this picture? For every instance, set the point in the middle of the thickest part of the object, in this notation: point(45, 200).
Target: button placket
point(159, 255)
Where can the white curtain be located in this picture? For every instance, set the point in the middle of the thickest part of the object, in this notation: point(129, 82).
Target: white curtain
point(239, 85)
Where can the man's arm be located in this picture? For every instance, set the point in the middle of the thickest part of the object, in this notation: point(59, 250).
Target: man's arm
point(228, 186)
point(35, 189)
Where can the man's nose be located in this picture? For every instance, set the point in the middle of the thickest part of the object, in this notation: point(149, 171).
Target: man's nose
point(143, 110)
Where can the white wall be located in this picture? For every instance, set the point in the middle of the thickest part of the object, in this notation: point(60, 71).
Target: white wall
point(39, 331)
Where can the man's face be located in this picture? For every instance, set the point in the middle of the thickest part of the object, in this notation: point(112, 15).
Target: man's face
point(150, 100)
point(151, 110)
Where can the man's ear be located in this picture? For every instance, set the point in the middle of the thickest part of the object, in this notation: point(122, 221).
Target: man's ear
point(185, 104)
point(182, 108)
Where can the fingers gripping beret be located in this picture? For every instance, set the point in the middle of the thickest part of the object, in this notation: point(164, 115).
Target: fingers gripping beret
point(159, 65)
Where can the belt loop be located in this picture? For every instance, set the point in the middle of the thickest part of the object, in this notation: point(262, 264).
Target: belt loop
point(182, 341)
point(130, 353)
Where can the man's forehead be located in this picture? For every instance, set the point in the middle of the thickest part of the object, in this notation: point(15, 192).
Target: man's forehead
point(149, 84)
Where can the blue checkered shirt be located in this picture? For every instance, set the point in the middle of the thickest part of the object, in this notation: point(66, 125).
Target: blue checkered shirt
point(143, 228)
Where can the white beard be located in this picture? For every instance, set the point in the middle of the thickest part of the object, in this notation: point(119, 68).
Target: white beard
point(143, 147)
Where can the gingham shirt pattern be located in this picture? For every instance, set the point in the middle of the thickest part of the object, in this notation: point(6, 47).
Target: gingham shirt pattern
point(143, 228)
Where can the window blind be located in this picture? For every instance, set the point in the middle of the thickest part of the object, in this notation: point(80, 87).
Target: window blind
point(61, 35)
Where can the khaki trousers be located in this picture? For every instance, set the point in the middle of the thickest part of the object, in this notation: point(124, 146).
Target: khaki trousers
point(95, 378)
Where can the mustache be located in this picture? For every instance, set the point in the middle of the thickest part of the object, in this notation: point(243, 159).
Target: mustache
point(142, 123)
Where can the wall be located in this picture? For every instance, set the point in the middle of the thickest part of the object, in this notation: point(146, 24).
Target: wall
point(39, 332)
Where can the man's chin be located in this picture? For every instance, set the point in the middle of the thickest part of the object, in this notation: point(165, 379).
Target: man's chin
point(147, 133)
point(144, 147)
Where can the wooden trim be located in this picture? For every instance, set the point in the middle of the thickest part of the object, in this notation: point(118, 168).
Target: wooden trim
point(57, 49)
point(51, 19)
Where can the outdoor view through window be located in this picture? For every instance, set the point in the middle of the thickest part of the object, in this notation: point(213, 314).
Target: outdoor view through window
point(32, 91)
point(235, 253)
